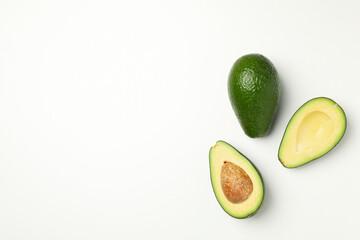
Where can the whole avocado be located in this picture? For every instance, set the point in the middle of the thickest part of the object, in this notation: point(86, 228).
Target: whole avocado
point(254, 90)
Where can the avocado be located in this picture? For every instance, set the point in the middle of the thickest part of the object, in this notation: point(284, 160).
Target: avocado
point(314, 129)
point(254, 90)
point(237, 184)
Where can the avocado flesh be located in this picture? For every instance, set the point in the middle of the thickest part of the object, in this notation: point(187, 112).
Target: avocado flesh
point(314, 129)
point(254, 89)
point(238, 206)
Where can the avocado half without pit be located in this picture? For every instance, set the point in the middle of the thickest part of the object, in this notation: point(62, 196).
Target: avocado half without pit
point(314, 129)
point(237, 184)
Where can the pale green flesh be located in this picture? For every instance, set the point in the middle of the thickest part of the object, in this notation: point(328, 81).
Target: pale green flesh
point(218, 153)
point(314, 129)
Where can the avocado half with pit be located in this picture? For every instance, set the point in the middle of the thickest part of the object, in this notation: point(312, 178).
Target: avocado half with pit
point(237, 184)
point(314, 129)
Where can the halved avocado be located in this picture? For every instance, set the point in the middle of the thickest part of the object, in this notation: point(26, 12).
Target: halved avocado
point(237, 184)
point(314, 129)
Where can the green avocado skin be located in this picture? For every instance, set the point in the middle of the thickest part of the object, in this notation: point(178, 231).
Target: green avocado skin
point(254, 90)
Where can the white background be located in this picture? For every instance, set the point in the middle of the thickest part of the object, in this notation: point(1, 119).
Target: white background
point(108, 110)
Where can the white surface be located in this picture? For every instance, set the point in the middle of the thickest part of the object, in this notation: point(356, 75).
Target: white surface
point(108, 110)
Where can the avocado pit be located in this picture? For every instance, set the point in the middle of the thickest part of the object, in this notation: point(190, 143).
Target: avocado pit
point(235, 182)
